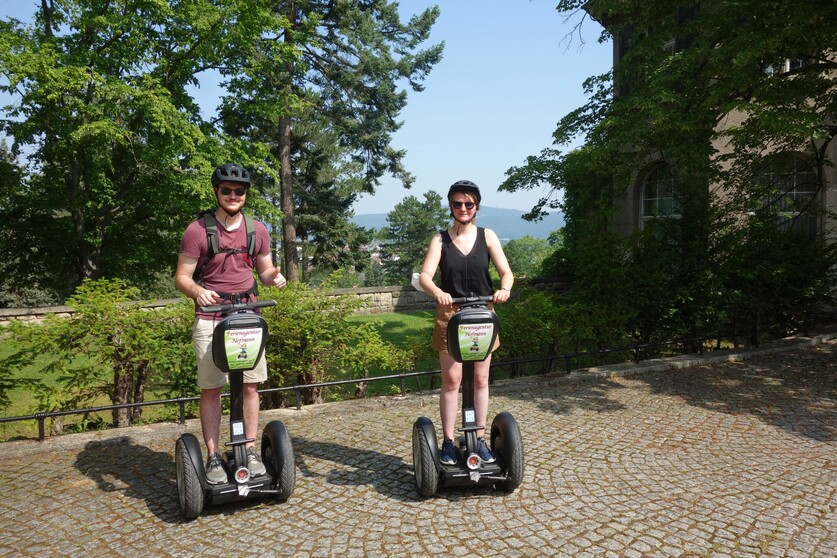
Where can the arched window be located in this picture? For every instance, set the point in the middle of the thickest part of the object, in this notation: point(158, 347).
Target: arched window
point(660, 198)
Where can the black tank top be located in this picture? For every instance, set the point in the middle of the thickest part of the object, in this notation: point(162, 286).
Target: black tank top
point(465, 275)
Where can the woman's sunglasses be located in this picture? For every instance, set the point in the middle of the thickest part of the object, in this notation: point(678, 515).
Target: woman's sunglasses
point(227, 191)
point(459, 204)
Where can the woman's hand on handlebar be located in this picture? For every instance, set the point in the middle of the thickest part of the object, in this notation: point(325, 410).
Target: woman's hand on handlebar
point(443, 298)
point(501, 296)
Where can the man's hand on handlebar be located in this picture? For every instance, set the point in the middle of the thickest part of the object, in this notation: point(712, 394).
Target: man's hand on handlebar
point(206, 297)
point(237, 306)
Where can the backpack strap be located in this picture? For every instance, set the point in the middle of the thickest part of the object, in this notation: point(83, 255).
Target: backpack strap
point(211, 225)
point(250, 227)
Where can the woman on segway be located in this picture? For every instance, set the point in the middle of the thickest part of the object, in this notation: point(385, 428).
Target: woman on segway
point(463, 252)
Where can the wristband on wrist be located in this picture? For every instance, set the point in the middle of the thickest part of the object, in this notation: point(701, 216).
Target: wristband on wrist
point(505, 289)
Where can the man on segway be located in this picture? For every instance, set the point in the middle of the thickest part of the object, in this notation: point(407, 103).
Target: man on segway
point(215, 265)
point(463, 252)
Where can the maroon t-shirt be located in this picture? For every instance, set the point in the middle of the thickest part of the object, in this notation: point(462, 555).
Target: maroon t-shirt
point(225, 273)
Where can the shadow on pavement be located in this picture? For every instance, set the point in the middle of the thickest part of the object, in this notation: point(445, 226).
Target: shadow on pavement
point(795, 391)
point(387, 474)
point(120, 465)
point(586, 394)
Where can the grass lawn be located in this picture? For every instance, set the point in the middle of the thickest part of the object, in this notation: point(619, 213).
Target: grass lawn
point(407, 330)
point(24, 401)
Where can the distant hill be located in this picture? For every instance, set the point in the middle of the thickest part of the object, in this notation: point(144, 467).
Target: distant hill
point(507, 223)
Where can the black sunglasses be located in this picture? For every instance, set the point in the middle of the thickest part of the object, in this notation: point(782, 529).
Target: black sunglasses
point(227, 191)
point(458, 204)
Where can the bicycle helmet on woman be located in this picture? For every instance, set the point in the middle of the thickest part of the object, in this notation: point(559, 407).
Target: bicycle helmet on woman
point(231, 173)
point(466, 187)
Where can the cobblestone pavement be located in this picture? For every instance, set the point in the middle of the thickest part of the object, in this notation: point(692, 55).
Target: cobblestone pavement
point(705, 458)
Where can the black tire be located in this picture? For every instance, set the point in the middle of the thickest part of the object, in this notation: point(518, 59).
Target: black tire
point(508, 445)
point(424, 462)
point(190, 476)
point(278, 456)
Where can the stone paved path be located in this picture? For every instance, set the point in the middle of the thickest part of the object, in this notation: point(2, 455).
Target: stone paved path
point(715, 459)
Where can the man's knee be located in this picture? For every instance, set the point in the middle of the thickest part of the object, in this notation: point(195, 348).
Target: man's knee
point(211, 392)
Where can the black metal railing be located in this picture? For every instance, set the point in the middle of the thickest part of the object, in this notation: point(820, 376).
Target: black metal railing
point(638, 351)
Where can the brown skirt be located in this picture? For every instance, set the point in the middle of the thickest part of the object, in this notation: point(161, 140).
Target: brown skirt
point(440, 329)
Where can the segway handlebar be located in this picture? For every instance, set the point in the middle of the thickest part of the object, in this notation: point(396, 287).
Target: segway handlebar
point(471, 299)
point(237, 306)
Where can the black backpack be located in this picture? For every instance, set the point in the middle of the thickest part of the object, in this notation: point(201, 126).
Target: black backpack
point(212, 248)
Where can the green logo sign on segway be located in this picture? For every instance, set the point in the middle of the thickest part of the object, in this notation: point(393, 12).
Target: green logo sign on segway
point(242, 347)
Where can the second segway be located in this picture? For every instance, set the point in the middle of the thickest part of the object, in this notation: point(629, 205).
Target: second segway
point(237, 345)
point(471, 333)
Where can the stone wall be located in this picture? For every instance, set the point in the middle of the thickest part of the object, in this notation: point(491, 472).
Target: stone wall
point(32, 314)
point(382, 300)
point(38, 314)
point(376, 300)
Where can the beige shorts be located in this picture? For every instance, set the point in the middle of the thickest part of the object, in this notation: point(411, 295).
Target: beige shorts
point(440, 329)
point(209, 375)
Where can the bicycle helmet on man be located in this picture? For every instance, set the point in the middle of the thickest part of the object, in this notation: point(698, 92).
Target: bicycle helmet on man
point(231, 172)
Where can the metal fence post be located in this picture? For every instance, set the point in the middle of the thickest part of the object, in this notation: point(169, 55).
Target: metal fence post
point(41, 430)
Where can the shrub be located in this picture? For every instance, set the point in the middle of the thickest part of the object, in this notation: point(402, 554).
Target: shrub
point(111, 346)
point(311, 341)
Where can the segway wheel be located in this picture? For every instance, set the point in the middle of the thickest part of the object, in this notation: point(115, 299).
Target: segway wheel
point(508, 445)
point(278, 455)
point(424, 461)
point(190, 475)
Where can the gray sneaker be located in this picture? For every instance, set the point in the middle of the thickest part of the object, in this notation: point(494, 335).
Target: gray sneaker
point(254, 463)
point(215, 473)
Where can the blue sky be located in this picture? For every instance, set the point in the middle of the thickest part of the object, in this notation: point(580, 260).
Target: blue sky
point(508, 74)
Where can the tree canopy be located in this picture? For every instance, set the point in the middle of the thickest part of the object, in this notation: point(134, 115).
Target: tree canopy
point(412, 223)
point(345, 83)
point(713, 89)
point(114, 154)
point(680, 77)
point(110, 154)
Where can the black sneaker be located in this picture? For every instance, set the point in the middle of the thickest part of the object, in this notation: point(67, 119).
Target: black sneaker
point(254, 463)
point(215, 473)
point(485, 454)
point(448, 455)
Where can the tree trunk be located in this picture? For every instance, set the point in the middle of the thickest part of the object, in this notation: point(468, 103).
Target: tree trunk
point(286, 180)
point(139, 391)
point(303, 258)
point(122, 380)
point(57, 426)
point(362, 389)
point(291, 270)
point(310, 395)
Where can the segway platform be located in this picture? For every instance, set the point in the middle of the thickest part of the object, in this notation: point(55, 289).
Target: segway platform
point(471, 334)
point(237, 345)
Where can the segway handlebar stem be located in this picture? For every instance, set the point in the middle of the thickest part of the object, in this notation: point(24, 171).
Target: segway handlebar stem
point(238, 306)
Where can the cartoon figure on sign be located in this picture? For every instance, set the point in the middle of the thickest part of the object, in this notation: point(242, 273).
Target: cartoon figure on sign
point(475, 346)
point(243, 354)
